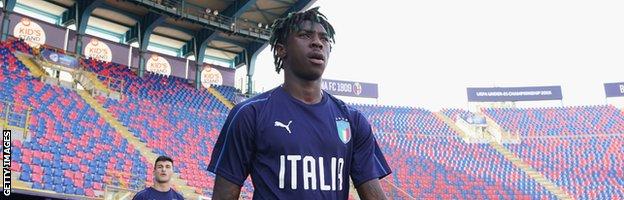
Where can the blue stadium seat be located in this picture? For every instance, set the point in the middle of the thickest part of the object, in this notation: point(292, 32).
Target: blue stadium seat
point(25, 176)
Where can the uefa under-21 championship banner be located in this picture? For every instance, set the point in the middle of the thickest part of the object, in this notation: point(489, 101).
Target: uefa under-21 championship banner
point(499, 94)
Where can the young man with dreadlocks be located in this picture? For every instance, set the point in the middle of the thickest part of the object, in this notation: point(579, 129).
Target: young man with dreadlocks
point(297, 141)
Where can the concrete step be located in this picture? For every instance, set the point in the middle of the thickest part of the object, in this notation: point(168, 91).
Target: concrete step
point(221, 98)
point(532, 173)
point(91, 82)
point(35, 70)
point(451, 124)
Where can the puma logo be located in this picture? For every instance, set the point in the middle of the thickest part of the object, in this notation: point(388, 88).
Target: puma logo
point(280, 124)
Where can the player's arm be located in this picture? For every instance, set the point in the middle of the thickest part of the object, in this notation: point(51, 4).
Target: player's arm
point(225, 190)
point(233, 153)
point(371, 190)
point(369, 164)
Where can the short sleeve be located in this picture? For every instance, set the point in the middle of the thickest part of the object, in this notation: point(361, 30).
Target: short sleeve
point(368, 160)
point(232, 154)
point(140, 195)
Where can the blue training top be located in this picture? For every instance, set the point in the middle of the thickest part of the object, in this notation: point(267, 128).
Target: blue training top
point(153, 194)
point(297, 151)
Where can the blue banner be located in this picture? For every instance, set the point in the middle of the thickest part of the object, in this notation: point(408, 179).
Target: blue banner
point(350, 88)
point(59, 59)
point(500, 94)
point(474, 120)
point(614, 89)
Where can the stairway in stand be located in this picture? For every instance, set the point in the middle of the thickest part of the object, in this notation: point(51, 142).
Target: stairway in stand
point(541, 179)
point(180, 185)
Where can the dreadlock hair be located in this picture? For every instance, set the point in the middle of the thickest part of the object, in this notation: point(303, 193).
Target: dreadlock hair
point(283, 27)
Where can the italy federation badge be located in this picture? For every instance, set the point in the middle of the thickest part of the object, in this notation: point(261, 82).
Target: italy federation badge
point(344, 130)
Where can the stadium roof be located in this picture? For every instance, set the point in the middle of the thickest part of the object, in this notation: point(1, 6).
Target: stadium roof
point(230, 31)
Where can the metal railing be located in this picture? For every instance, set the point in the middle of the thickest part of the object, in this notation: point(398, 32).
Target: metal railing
point(111, 83)
point(210, 17)
point(15, 115)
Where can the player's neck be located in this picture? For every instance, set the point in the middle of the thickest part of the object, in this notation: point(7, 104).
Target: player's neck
point(308, 92)
point(162, 187)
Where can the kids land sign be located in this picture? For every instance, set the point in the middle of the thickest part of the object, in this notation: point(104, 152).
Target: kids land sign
point(210, 76)
point(158, 64)
point(30, 32)
point(98, 50)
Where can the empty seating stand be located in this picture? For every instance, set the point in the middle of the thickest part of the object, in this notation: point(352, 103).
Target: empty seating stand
point(167, 112)
point(228, 91)
point(454, 113)
point(586, 167)
point(565, 121)
point(446, 168)
point(71, 149)
point(390, 119)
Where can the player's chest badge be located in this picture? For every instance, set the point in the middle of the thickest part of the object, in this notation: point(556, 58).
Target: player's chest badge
point(344, 130)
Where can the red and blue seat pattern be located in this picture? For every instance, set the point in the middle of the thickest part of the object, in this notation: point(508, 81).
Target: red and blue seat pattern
point(578, 120)
point(454, 113)
point(444, 167)
point(184, 118)
point(71, 149)
point(586, 167)
point(228, 91)
point(156, 87)
point(391, 119)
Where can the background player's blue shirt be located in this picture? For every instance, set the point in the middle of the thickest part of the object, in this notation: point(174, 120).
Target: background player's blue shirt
point(297, 151)
point(153, 194)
